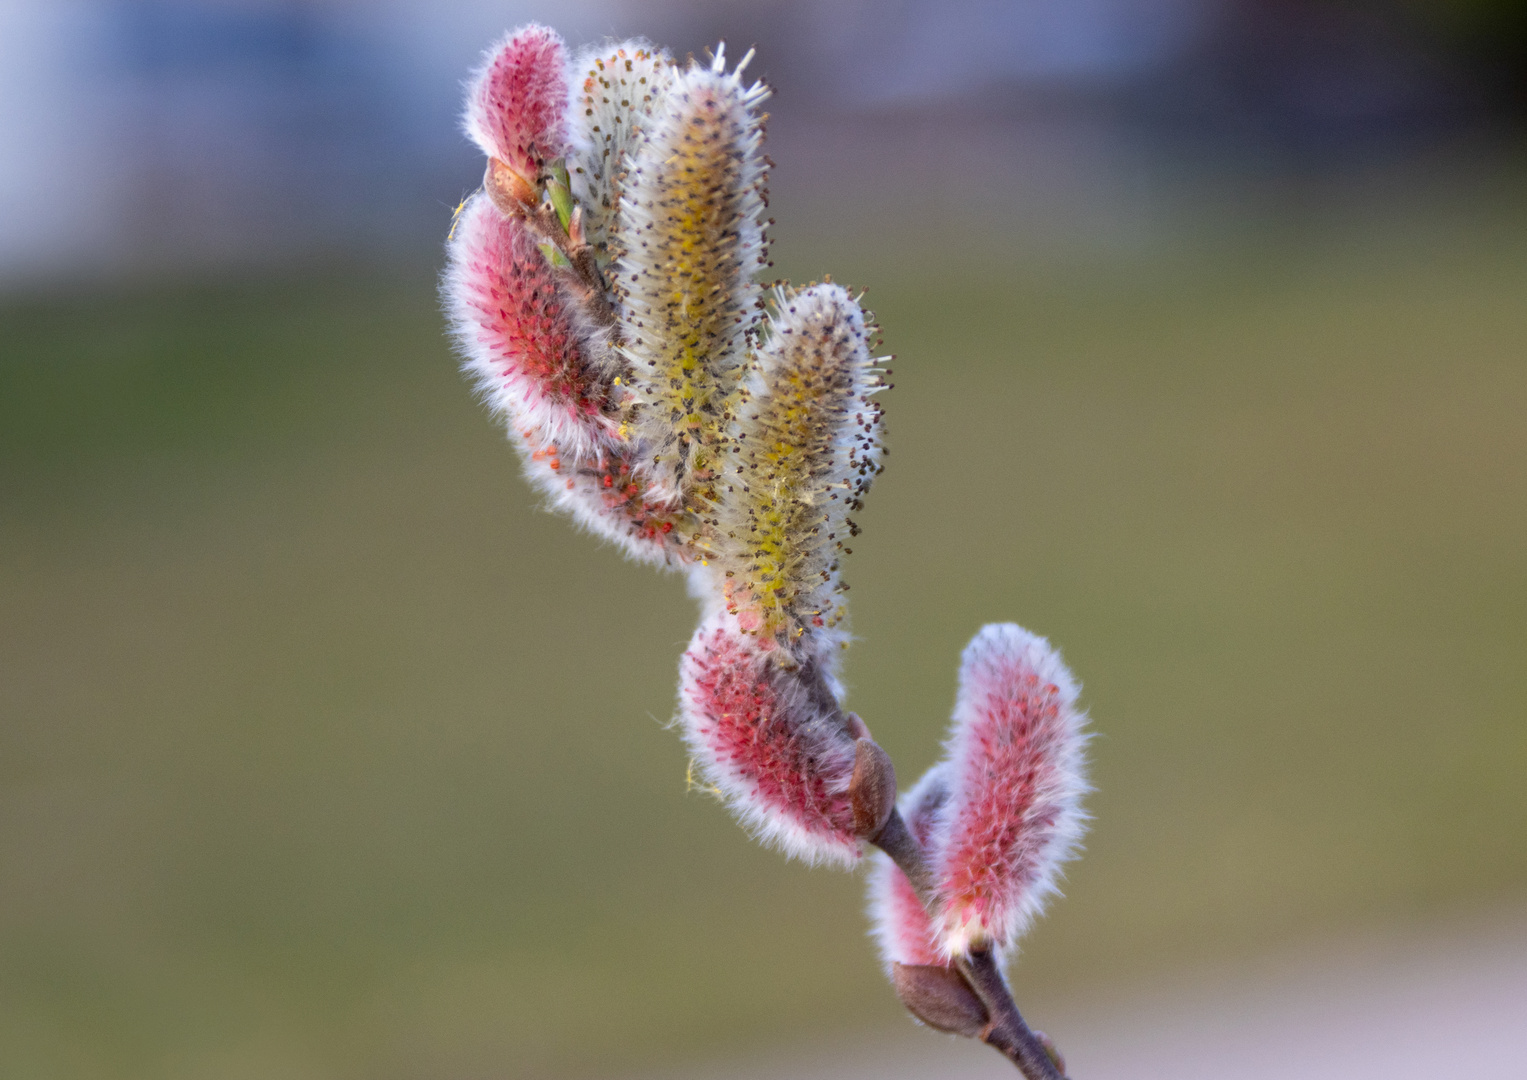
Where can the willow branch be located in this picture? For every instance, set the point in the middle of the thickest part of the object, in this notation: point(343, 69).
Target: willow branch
point(1008, 1032)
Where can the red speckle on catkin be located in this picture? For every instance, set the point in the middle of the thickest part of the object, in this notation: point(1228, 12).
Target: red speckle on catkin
point(769, 750)
point(1015, 755)
point(517, 102)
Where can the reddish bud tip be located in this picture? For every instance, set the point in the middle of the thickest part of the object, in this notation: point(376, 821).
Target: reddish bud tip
point(517, 102)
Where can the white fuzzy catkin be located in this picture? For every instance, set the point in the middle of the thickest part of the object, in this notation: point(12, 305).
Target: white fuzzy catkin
point(616, 92)
point(690, 240)
point(803, 450)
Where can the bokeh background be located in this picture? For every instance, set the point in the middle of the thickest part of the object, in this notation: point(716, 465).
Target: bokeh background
point(324, 753)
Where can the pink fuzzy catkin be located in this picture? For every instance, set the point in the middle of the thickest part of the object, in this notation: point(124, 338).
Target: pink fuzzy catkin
point(517, 101)
point(520, 343)
point(774, 751)
point(901, 925)
point(1015, 760)
point(517, 332)
point(522, 335)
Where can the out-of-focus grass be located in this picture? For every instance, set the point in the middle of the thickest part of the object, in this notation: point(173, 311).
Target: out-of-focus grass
point(325, 754)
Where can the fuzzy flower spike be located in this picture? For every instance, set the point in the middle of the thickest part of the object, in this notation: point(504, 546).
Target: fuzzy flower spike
point(521, 329)
point(690, 241)
point(516, 330)
point(770, 743)
point(805, 448)
point(1015, 760)
point(516, 109)
point(620, 89)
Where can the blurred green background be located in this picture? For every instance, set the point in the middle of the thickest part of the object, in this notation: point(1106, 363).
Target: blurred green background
point(326, 753)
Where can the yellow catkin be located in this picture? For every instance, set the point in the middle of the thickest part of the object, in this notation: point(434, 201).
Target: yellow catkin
point(806, 445)
point(690, 241)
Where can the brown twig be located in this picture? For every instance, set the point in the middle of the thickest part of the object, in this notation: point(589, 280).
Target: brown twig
point(1007, 1032)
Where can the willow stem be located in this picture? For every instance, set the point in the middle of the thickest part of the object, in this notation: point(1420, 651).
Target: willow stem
point(583, 273)
point(1007, 1033)
point(517, 197)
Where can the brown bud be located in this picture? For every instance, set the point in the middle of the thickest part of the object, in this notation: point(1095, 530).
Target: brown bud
point(510, 191)
point(941, 998)
point(872, 789)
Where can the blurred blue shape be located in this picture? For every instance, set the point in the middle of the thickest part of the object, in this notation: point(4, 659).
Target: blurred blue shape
point(159, 38)
point(175, 132)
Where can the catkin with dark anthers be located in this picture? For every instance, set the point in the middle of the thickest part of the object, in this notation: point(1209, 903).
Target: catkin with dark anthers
point(801, 453)
point(690, 242)
point(617, 91)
